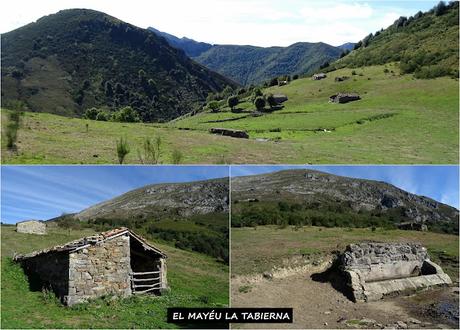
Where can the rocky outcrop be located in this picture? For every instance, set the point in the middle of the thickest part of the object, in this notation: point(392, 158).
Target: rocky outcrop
point(230, 132)
point(377, 270)
point(344, 97)
point(161, 200)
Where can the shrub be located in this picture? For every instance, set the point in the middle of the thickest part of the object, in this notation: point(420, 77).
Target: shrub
point(176, 156)
point(214, 106)
point(271, 101)
point(103, 115)
point(91, 113)
point(273, 82)
point(12, 127)
point(122, 149)
point(259, 102)
point(126, 115)
point(295, 77)
point(353, 73)
point(232, 101)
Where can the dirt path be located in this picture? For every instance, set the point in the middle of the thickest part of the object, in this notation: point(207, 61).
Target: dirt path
point(319, 305)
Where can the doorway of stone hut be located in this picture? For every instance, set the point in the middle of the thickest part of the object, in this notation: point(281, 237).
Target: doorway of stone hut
point(146, 269)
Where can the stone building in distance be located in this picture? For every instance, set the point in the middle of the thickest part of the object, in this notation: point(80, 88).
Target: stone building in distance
point(31, 227)
point(117, 262)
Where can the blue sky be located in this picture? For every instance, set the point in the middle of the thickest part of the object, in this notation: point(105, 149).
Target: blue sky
point(254, 22)
point(438, 182)
point(44, 192)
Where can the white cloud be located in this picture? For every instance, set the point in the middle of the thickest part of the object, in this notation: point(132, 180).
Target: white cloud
point(256, 22)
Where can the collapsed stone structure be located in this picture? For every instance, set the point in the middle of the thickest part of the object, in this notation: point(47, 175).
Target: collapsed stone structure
point(230, 132)
point(378, 270)
point(280, 98)
point(344, 97)
point(319, 76)
point(117, 262)
point(31, 227)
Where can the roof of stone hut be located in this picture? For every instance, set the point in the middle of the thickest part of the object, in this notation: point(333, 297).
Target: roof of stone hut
point(85, 242)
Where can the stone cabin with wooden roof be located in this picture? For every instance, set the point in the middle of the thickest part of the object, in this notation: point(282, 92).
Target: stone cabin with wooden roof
point(117, 262)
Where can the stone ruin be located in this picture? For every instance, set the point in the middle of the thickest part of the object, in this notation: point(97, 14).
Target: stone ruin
point(230, 132)
point(116, 262)
point(344, 97)
point(378, 270)
point(31, 227)
point(280, 98)
point(319, 76)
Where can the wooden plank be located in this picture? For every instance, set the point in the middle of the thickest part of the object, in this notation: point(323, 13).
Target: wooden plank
point(147, 273)
point(147, 285)
point(145, 279)
point(148, 290)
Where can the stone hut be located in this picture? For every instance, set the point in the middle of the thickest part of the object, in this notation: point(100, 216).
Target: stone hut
point(411, 225)
point(31, 227)
point(377, 270)
point(117, 262)
point(319, 76)
point(344, 97)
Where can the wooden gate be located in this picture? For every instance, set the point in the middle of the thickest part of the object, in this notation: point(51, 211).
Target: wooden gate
point(145, 282)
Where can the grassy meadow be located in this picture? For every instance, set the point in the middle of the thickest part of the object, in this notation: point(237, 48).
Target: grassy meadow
point(400, 119)
point(196, 280)
point(272, 247)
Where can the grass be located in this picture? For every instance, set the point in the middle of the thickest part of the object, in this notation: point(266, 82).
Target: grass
point(399, 120)
point(195, 280)
point(290, 243)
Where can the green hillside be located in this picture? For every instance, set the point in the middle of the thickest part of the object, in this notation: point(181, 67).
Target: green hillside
point(255, 65)
point(76, 59)
point(399, 119)
point(425, 44)
point(195, 280)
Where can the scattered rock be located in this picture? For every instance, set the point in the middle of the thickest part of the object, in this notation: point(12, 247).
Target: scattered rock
point(341, 319)
point(414, 321)
point(325, 323)
point(401, 325)
point(327, 312)
point(95, 155)
point(267, 275)
point(367, 322)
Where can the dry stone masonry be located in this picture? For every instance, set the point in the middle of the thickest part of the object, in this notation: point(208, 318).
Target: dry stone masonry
point(105, 264)
point(376, 270)
point(31, 227)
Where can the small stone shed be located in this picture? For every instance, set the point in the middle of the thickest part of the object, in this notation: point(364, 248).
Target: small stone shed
point(117, 262)
point(377, 270)
point(319, 76)
point(31, 227)
point(344, 97)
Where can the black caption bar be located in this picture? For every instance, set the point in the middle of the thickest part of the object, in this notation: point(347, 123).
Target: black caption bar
point(230, 315)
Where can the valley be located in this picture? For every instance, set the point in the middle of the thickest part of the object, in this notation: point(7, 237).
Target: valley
point(392, 123)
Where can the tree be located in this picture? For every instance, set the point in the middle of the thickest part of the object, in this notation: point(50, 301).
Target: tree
point(176, 156)
point(440, 8)
point(271, 101)
point(273, 82)
point(126, 115)
point(295, 77)
point(227, 91)
point(232, 101)
point(122, 149)
point(259, 102)
point(12, 127)
point(91, 113)
point(108, 89)
point(214, 106)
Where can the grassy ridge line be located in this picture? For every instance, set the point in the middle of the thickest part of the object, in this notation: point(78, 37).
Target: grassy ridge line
point(195, 279)
point(318, 241)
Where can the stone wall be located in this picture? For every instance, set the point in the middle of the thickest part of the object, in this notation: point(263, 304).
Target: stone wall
point(49, 270)
point(377, 270)
point(31, 227)
point(100, 270)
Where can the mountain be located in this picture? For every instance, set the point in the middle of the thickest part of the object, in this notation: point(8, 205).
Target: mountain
point(317, 194)
point(191, 47)
point(255, 65)
point(163, 200)
point(347, 46)
point(191, 215)
point(76, 59)
point(425, 44)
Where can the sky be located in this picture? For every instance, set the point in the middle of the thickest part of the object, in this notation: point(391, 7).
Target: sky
point(440, 183)
point(44, 192)
point(241, 22)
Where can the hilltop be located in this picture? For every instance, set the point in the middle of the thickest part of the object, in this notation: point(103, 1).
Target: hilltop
point(425, 44)
point(76, 59)
point(192, 215)
point(313, 197)
point(255, 65)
